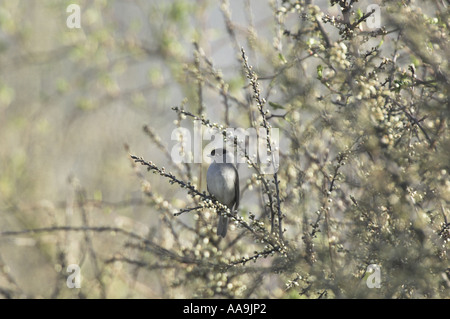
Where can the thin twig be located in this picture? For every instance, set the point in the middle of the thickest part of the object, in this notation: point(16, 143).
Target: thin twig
point(251, 75)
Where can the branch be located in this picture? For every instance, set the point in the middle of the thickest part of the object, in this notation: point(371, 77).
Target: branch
point(208, 201)
point(251, 75)
point(414, 120)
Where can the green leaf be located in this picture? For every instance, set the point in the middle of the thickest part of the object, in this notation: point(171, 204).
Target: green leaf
point(359, 14)
point(282, 58)
point(415, 61)
point(276, 106)
point(319, 71)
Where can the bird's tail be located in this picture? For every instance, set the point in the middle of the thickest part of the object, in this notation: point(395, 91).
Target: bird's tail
point(222, 226)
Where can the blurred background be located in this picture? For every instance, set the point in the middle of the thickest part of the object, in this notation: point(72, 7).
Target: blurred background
point(74, 103)
point(71, 98)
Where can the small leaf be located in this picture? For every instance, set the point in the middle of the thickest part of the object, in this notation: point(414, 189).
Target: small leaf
point(415, 61)
point(319, 71)
point(276, 106)
point(359, 14)
point(282, 58)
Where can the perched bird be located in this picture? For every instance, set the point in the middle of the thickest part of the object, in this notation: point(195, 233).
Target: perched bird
point(222, 180)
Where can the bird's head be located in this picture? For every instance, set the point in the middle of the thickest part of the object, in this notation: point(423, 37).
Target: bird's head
point(220, 155)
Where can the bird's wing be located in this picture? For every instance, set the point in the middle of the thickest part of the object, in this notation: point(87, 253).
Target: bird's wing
point(236, 189)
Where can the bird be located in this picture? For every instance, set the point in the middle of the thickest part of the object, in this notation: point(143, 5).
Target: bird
point(222, 181)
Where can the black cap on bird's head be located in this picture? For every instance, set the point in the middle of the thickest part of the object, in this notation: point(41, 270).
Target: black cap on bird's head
point(220, 155)
point(218, 152)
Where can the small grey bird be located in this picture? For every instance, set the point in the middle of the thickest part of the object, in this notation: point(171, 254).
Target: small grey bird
point(222, 180)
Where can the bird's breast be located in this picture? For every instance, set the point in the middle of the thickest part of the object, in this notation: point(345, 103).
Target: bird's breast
point(221, 180)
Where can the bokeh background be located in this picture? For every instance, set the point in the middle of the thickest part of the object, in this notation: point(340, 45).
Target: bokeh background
point(74, 103)
point(72, 98)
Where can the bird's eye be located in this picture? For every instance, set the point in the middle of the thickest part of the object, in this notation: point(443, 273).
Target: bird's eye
point(213, 152)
